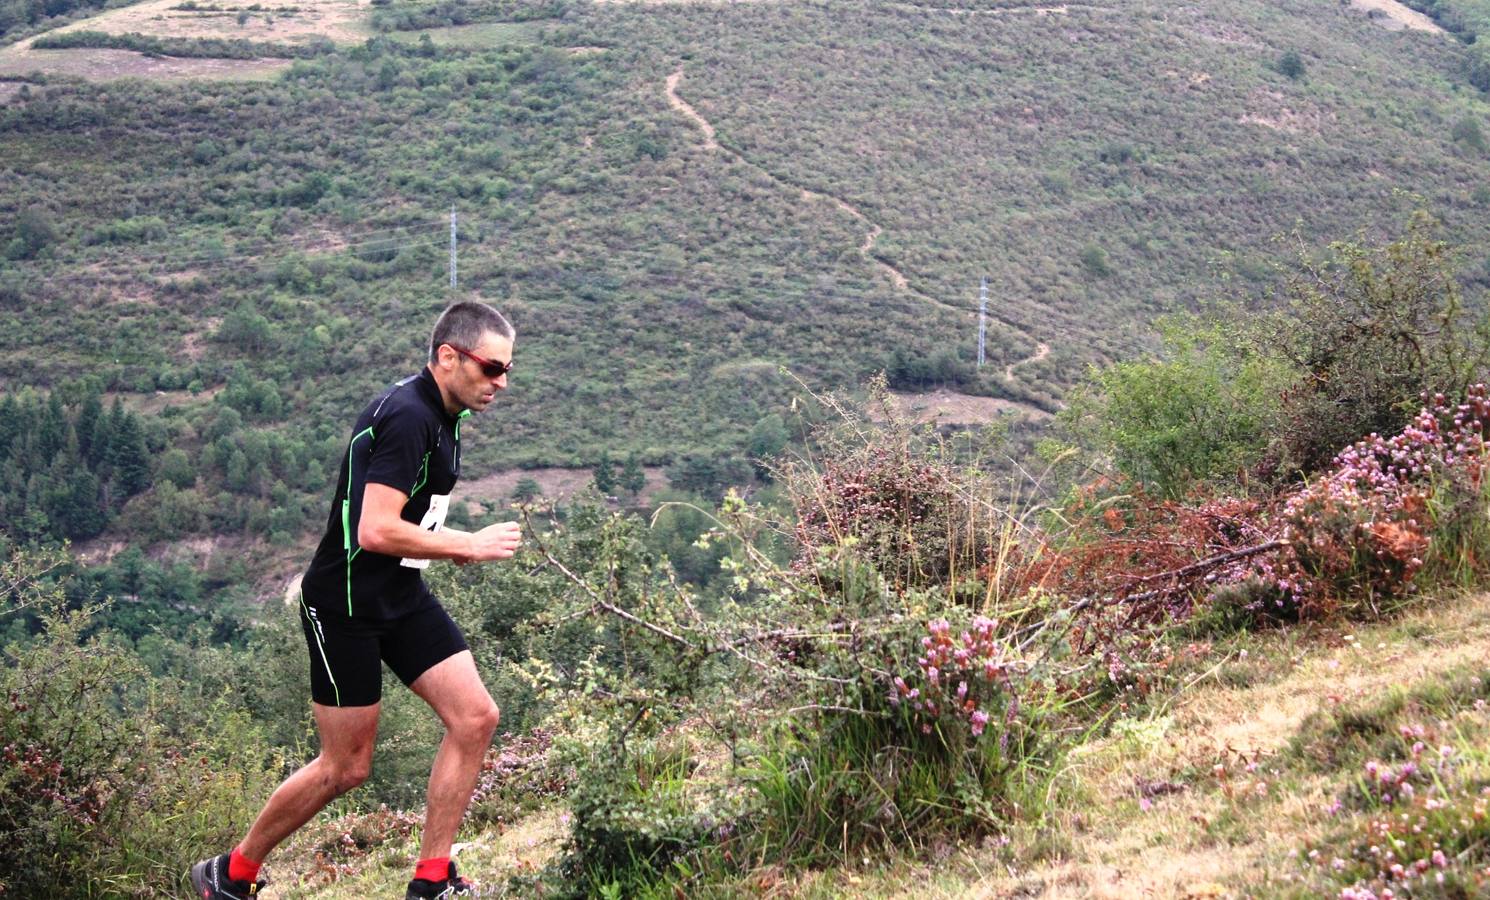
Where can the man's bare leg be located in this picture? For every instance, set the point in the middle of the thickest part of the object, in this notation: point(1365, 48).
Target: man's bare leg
point(454, 690)
point(347, 735)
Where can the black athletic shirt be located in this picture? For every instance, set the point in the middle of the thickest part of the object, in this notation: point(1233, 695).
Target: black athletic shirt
point(406, 440)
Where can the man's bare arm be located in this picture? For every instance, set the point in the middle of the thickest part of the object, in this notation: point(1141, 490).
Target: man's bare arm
point(381, 529)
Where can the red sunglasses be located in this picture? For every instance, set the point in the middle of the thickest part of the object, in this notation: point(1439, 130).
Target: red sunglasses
point(489, 368)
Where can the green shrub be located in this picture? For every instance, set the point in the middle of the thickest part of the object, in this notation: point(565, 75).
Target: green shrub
point(96, 795)
point(1290, 65)
point(633, 815)
point(1198, 414)
point(1094, 260)
point(1369, 331)
point(1467, 132)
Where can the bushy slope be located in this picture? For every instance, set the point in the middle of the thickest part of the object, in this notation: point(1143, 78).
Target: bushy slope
point(1222, 790)
point(1096, 163)
point(281, 245)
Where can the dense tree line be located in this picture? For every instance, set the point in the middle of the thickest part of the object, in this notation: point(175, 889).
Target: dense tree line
point(1468, 20)
point(18, 14)
point(67, 470)
point(212, 48)
point(389, 16)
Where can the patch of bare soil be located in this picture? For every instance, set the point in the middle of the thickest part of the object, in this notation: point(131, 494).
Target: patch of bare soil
point(337, 20)
point(944, 407)
point(1218, 33)
point(156, 401)
point(195, 344)
point(1271, 109)
point(107, 65)
point(292, 590)
point(532, 842)
point(1395, 16)
point(271, 566)
point(555, 484)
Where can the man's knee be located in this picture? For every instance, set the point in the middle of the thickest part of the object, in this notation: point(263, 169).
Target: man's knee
point(347, 774)
point(480, 724)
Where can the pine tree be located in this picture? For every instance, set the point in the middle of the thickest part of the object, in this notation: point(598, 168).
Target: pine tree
point(52, 434)
point(633, 479)
point(89, 415)
point(129, 458)
point(101, 442)
point(9, 424)
point(605, 474)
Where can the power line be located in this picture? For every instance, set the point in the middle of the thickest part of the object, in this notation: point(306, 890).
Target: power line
point(680, 279)
point(982, 318)
point(161, 262)
point(846, 289)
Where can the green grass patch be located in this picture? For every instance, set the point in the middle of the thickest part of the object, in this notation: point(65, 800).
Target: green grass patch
point(1333, 739)
point(479, 36)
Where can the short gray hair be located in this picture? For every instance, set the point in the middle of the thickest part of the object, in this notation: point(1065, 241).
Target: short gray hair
point(464, 324)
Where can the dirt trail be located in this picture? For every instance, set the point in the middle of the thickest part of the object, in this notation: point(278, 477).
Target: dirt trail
point(1061, 9)
point(1042, 350)
point(683, 107)
point(711, 142)
point(873, 229)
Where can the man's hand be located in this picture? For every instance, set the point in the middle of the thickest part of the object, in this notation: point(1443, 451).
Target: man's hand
point(383, 530)
point(499, 541)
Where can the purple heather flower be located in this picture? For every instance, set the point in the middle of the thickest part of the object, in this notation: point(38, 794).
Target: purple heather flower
point(979, 720)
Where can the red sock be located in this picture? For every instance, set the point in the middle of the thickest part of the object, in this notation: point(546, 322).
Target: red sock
point(241, 868)
point(435, 869)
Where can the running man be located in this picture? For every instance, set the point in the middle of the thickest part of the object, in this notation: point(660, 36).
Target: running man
point(363, 600)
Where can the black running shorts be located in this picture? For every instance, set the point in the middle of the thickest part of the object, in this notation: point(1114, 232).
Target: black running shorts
point(346, 652)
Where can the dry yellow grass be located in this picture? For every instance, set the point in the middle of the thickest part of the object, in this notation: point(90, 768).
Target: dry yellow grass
point(339, 20)
point(1235, 833)
point(1400, 15)
point(107, 65)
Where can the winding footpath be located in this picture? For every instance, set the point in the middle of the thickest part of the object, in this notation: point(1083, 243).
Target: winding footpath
point(872, 232)
point(1042, 350)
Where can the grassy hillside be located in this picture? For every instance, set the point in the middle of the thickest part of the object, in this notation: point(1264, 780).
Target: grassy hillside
point(1097, 164)
point(277, 247)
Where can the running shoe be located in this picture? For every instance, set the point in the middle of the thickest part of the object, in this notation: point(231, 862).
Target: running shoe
point(451, 886)
point(210, 879)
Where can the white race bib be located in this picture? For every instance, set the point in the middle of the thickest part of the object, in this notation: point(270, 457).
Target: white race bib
point(433, 520)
